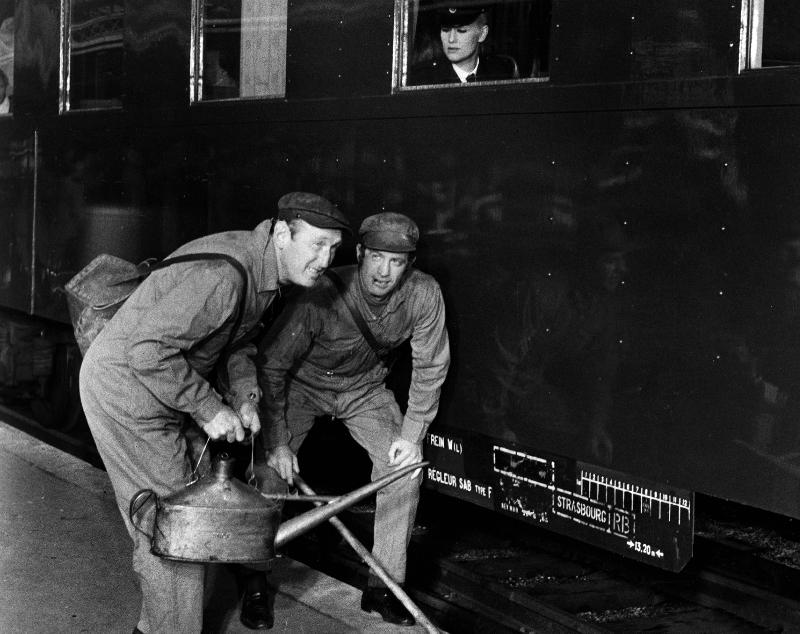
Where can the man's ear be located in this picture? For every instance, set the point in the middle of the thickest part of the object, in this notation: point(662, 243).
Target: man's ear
point(359, 253)
point(484, 33)
point(282, 234)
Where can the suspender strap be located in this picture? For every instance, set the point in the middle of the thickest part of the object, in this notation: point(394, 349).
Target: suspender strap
point(380, 352)
point(148, 266)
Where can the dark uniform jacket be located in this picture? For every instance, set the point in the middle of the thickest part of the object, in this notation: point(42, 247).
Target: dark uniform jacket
point(441, 71)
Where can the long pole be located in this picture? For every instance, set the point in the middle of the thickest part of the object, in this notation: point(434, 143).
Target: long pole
point(308, 520)
point(373, 563)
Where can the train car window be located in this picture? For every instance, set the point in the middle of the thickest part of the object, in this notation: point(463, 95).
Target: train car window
point(769, 36)
point(6, 56)
point(451, 44)
point(239, 49)
point(92, 54)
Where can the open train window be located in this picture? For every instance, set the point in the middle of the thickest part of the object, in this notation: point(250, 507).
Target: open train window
point(6, 56)
point(238, 49)
point(769, 34)
point(444, 43)
point(91, 54)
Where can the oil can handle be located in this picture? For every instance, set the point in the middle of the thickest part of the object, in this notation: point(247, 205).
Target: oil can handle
point(138, 501)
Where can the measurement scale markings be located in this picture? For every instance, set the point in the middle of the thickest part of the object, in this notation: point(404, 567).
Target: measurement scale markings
point(636, 492)
point(594, 488)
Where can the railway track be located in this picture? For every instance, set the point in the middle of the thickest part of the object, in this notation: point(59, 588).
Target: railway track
point(473, 571)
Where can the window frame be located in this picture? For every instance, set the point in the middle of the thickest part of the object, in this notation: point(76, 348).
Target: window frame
point(401, 54)
point(196, 62)
point(11, 80)
point(65, 66)
point(751, 41)
point(751, 35)
point(65, 47)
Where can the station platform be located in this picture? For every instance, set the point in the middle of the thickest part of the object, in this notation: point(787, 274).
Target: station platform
point(65, 558)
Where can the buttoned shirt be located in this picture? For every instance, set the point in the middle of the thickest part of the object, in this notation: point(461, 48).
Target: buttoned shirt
point(315, 341)
point(462, 74)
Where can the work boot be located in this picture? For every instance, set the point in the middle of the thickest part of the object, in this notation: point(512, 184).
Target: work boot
point(382, 601)
point(257, 602)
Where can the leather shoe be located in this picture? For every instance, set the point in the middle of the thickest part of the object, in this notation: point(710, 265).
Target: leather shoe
point(382, 601)
point(256, 611)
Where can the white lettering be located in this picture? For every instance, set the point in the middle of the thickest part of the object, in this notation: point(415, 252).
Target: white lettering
point(434, 475)
point(581, 509)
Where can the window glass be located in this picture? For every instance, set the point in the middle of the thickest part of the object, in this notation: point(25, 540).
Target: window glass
point(239, 49)
point(771, 34)
point(6, 56)
point(451, 43)
point(92, 59)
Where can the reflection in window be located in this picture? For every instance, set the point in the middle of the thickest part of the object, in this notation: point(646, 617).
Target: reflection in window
point(6, 55)
point(239, 49)
point(467, 41)
point(92, 54)
point(770, 37)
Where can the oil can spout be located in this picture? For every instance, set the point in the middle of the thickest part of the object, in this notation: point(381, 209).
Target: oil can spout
point(298, 525)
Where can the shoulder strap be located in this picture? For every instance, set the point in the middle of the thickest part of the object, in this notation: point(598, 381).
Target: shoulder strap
point(149, 266)
point(362, 325)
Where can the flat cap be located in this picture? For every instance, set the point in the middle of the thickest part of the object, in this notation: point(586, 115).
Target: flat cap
point(389, 232)
point(459, 16)
point(314, 209)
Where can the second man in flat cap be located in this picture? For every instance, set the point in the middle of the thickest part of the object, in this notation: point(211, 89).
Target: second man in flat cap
point(329, 354)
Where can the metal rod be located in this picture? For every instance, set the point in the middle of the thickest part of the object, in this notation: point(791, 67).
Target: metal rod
point(289, 497)
point(373, 564)
point(314, 517)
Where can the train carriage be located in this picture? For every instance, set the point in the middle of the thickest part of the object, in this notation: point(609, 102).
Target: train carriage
point(614, 224)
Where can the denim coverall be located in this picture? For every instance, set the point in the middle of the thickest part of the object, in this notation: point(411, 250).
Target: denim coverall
point(146, 373)
point(314, 361)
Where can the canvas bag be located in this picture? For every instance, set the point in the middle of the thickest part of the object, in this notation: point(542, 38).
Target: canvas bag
point(96, 292)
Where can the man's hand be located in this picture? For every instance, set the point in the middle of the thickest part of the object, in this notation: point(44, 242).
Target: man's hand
point(283, 460)
point(403, 453)
point(225, 424)
point(248, 413)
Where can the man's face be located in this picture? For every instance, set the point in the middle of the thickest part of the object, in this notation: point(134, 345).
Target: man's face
point(381, 271)
point(304, 256)
point(460, 43)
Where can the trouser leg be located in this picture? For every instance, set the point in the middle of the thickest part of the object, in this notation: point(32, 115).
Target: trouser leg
point(373, 420)
point(396, 503)
point(146, 454)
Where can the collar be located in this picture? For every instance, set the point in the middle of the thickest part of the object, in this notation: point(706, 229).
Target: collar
point(263, 251)
point(462, 74)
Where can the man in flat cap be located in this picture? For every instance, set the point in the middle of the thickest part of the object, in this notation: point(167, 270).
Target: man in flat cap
point(317, 360)
point(146, 383)
point(463, 30)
